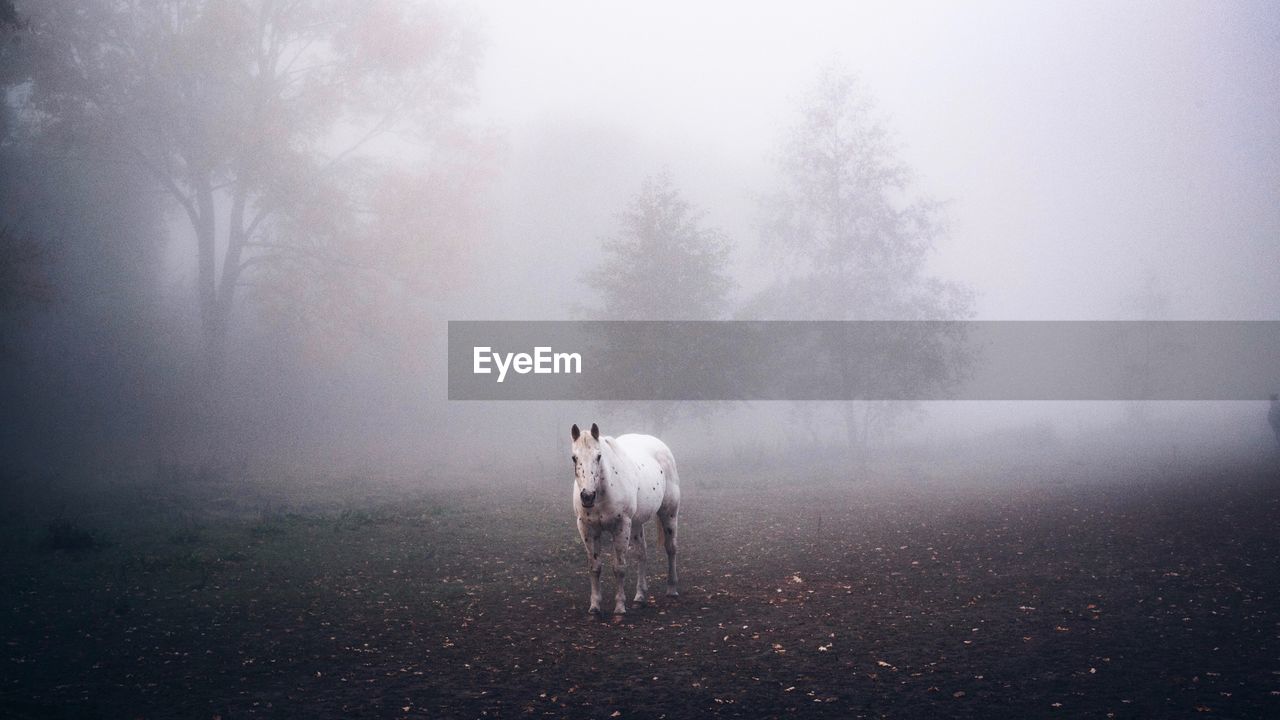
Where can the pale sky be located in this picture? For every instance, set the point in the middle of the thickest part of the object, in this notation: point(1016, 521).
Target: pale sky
point(1086, 146)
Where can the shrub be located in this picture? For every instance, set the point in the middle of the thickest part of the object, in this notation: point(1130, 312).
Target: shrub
point(66, 535)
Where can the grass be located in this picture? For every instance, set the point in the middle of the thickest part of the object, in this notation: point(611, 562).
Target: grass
point(188, 532)
point(271, 523)
point(67, 535)
point(461, 605)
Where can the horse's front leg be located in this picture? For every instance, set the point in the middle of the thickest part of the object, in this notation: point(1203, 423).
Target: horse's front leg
point(621, 547)
point(640, 549)
point(591, 541)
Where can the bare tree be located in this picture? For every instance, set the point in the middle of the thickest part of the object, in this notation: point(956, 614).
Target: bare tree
point(273, 125)
point(847, 235)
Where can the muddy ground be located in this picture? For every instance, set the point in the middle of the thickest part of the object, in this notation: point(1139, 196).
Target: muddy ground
point(1034, 595)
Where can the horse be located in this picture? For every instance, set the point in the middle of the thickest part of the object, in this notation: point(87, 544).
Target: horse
point(618, 485)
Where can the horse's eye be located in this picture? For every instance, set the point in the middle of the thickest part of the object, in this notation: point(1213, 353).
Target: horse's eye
point(575, 459)
point(598, 458)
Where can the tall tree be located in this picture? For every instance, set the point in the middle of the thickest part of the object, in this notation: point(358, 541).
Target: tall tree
point(274, 127)
point(663, 263)
point(847, 234)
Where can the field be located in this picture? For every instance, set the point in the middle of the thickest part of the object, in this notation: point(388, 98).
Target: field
point(1053, 591)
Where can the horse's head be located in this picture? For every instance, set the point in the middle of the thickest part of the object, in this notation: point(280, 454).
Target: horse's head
point(587, 466)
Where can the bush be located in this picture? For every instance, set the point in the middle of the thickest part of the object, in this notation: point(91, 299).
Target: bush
point(189, 531)
point(66, 535)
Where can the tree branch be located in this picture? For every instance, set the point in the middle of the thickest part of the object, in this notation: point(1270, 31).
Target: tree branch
point(308, 252)
point(183, 199)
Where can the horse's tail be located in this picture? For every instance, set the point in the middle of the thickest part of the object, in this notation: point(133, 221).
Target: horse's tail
point(662, 535)
point(667, 462)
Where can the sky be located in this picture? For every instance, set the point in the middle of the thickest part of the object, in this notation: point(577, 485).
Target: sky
point(1087, 149)
point(1088, 152)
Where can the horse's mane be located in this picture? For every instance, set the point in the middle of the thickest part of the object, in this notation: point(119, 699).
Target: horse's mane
point(613, 445)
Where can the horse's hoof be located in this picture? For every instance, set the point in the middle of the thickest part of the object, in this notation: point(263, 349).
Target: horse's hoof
point(620, 610)
point(640, 601)
point(594, 611)
point(672, 592)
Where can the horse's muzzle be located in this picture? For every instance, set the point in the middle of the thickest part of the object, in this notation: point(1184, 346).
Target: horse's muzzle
point(588, 498)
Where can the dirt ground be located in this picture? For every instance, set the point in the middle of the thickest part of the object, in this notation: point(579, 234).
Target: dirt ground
point(1033, 597)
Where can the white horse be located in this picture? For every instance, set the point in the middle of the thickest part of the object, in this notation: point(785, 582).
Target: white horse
point(619, 483)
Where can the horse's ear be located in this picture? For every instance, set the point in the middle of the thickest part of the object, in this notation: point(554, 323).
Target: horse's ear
point(595, 432)
point(575, 432)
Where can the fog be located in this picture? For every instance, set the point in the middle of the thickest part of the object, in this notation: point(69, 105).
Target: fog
point(957, 327)
point(476, 162)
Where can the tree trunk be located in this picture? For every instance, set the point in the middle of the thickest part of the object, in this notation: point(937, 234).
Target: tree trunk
point(225, 288)
point(211, 324)
point(856, 439)
point(217, 292)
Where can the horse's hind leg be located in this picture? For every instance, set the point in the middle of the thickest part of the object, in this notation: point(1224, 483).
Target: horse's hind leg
point(638, 546)
point(668, 529)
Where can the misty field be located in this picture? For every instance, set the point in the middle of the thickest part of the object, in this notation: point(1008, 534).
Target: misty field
point(204, 594)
